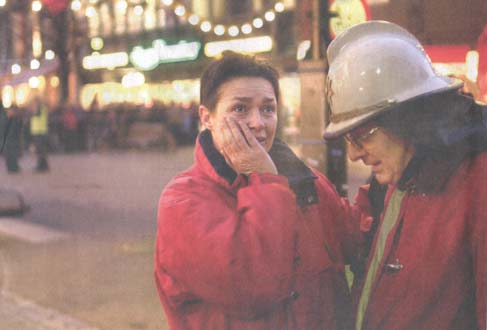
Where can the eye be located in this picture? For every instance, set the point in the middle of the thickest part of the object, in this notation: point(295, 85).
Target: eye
point(239, 108)
point(269, 109)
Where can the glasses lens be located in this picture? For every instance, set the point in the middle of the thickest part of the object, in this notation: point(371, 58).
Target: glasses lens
point(351, 140)
point(360, 134)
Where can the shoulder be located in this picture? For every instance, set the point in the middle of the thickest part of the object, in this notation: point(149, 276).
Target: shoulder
point(323, 184)
point(185, 184)
point(476, 189)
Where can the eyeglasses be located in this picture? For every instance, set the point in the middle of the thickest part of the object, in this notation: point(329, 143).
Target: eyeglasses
point(357, 136)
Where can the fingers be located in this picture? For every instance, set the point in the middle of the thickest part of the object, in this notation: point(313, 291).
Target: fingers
point(249, 136)
point(236, 136)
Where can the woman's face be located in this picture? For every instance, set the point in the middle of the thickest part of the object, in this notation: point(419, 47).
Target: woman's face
point(386, 154)
point(250, 100)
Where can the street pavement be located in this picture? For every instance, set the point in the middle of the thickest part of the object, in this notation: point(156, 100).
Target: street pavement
point(81, 258)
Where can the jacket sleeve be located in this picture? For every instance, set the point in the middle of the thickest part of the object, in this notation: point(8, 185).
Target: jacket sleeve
point(480, 269)
point(478, 238)
point(344, 220)
point(234, 252)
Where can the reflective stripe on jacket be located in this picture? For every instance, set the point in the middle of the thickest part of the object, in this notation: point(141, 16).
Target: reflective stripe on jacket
point(40, 121)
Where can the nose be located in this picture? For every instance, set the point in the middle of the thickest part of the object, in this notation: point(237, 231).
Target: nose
point(255, 119)
point(354, 152)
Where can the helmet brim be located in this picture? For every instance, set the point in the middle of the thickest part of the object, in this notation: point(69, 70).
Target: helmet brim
point(339, 128)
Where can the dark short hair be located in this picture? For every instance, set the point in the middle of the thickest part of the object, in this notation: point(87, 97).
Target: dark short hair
point(424, 122)
point(233, 65)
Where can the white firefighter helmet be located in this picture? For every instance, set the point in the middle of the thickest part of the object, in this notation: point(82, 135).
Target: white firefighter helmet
point(373, 67)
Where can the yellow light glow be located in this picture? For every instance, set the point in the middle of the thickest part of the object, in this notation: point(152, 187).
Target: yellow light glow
point(246, 28)
point(36, 43)
point(472, 61)
point(167, 2)
point(133, 79)
point(34, 82)
point(303, 48)
point(279, 7)
point(54, 81)
point(193, 19)
point(49, 54)
point(16, 69)
point(269, 16)
point(96, 43)
point(35, 64)
point(3, 3)
point(107, 61)
point(22, 93)
point(219, 30)
point(233, 31)
point(150, 19)
point(121, 7)
point(205, 26)
point(7, 96)
point(90, 12)
point(138, 10)
point(42, 82)
point(36, 5)
point(76, 5)
point(246, 45)
point(179, 91)
point(180, 10)
point(258, 23)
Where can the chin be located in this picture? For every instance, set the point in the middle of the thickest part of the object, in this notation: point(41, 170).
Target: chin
point(266, 145)
point(383, 179)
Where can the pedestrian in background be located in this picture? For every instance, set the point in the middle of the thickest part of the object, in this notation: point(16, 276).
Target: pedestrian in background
point(69, 122)
point(250, 237)
point(426, 142)
point(13, 139)
point(39, 122)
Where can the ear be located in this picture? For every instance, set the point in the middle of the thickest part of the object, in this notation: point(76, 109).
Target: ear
point(205, 117)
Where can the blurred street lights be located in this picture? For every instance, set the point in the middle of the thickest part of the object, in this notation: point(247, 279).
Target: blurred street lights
point(328, 158)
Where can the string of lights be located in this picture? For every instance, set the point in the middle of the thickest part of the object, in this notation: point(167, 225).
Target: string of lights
point(204, 25)
point(90, 8)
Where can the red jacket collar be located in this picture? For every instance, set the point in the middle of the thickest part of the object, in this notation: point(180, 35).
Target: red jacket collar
point(212, 163)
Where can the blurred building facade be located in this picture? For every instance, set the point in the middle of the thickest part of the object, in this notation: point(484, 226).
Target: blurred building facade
point(154, 51)
point(105, 53)
point(28, 64)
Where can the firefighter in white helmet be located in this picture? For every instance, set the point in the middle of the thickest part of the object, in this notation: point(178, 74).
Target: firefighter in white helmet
point(424, 260)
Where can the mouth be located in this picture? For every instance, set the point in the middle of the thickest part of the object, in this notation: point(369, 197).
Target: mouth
point(374, 166)
point(262, 140)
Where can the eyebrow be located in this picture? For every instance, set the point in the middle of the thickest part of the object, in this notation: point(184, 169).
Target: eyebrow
point(249, 99)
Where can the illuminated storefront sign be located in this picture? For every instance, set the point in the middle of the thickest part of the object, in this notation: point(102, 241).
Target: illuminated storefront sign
point(246, 45)
point(105, 61)
point(160, 52)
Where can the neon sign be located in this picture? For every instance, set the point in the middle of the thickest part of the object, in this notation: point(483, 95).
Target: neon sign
point(102, 61)
point(160, 52)
point(246, 45)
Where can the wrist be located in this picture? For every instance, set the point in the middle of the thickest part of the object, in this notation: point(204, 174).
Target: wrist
point(264, 178)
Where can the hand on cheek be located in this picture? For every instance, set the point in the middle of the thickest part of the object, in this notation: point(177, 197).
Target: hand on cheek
point(242, 150)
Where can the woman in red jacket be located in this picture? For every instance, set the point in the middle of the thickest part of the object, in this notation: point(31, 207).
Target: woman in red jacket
point(426, 144)
point(249, 237)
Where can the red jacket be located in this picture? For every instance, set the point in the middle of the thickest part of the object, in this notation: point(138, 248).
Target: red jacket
point(440, 240)
point(245, 255)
